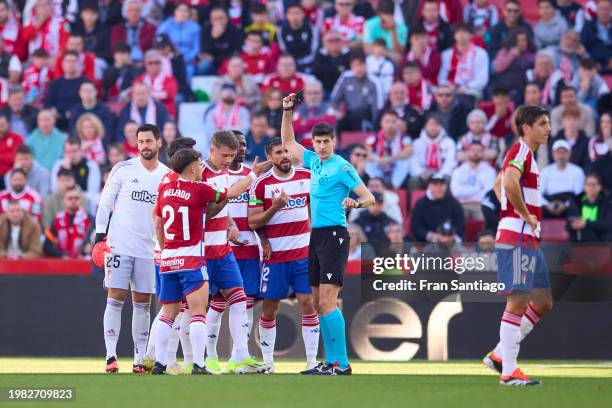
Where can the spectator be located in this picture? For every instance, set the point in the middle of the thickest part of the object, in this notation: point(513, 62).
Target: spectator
point(110, 12)
point(55, 203)
point(434, 153)
point(259, 60)
point(380, 68)
point(590, 216)
point(603, 168)
point(44, 30)
point(118, 77)
point(485, 251)
point(162, 85)
point(481, 16)
point(451, 110)
point(38, 176)
point(173, 64)
point(225, 114)
point(298, 37)
point(436, 208)
point(550, 27)
point(491, 208)
point(134, 31)
point(312, 111)
point(447, 244)
point(170, 133)
point(94, 32)
point(257, 138)
point(569, 9)
point(273, 102)
point(601, 142)
point(466, 65)
point(46, 140)
point(569, 99)
point(90, 130)
point(10, 67)
point(9, 28)
point(568, 54)
point(142, 109)
point(18, 190)
point(331, 60)
point(357, 97)
point(383, 26)
point(418, 93)
point(477, 125)
point(67, 9)
point(86, 60)
point(549, 79)
point(391, 203)
point(346, 23)
point(184, 34)
point(19, 234)
point(89, 104)
point(248, 91)
point(499, 115)
point(511, 20)
point(68, 235)
point(9, 143)
point(22, 117)
point(373, 221)
point(130, 145)
point(63, 93)
point(426, 57)
point(472, 180)
point(596, 35)
point(589, 84)
point(560, 181)
point(286, 79)
point(357, 237)
point(116, 154)
point(450, 11)
point(36, 78)
point(259, 15)
point(513, 60)
point(86, 172)
point(411, 119)
point(533, 94)
point(358, 157)
point(571, 132)
point(389, 151)
point(219, 40)
point(439, 32)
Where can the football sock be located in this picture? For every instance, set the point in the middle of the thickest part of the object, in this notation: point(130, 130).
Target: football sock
point(267, 339)
point(236, 301)
point(213, 324)
point(173, 340)
point(112, 326)
point(310, 334)
point(141, 321)
point(197, 336)
point(337, 328)
point(249, 314)
point(528, 322)
point(330, 355)
point(510, 340)
point(150, 353)
point(184, 336)
point(164, 329)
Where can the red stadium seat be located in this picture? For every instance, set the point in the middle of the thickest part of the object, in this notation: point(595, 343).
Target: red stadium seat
point(415, 195)
point(350, 138)
point(608, 79)
point(472, 229)
point(115, 106)
point(554, 231)
point(403, 203)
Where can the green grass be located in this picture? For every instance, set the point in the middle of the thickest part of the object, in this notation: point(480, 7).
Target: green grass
point(375, 384)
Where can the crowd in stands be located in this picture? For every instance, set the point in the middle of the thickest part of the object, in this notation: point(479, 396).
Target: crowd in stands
point(421, 92)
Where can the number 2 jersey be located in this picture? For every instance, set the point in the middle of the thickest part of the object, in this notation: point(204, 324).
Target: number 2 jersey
point(512, 229)
point(181, 206)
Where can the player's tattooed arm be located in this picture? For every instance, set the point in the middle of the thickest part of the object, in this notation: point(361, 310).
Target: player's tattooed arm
point(214, 208)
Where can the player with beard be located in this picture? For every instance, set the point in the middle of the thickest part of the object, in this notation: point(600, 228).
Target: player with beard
point(279, 206)
point(125, 243)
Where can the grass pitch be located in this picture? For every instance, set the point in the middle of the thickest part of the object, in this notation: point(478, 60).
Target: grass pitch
point(374, 384)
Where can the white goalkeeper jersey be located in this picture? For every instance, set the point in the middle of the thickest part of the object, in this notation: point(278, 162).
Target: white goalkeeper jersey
point(130, 194)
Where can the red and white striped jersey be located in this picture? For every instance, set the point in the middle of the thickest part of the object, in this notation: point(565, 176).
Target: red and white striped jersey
point(216, 245)
point(511, 226)
point(181, 206)
point(351, 28)
point(238, 209)
point(289, 229)
point(29, 199)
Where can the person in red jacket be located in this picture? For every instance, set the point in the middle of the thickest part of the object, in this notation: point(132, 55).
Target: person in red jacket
point(163, 86)
point(9, 142)
point(135, 27)
point(9, 28)
point(286, 80)
point(87, 60)
point(258, 59)
point(44, 31)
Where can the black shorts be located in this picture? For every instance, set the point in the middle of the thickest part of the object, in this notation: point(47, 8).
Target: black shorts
point(329, 250)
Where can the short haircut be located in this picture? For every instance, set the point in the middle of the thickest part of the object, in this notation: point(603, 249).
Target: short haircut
point(357, 146)
point(24, 149)
point(410, 65)
point(433, 116)
point(595, 176)
point(40, 53)
point(122, 48)
point(357, 56)
point(237, 132)
point(533, 83)
point(486, 232)
point(147, 127)
point(183, 158)
point(418, 30)
point(62, 172)
point(500, 90)
point(259, 114)
point(462, 27)
point(381, 42)
point(571, 112)
point(292, 4)
point(385, 7)
point(588, 63)
point(551, 2)
point(255, 33)
point(19, 170)
point(15, 89)
point(323, 129)
point(70, 52)
point(275, 141)
point(568, 88)
point(259, 8)
point(528, 115)
point(388, 112)
point(224, 138)
point(180, 143)
point(74, 141)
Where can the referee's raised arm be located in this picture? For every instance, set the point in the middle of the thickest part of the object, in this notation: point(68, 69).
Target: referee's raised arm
point(287, 135)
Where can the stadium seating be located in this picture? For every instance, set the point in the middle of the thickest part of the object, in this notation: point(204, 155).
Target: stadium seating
point(403, 203)
point(191, 118)
point(554, 231)
point(350, 138)
point(472, 229)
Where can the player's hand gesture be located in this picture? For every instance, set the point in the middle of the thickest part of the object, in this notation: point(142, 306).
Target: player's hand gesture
point(350, 203)
point(279, 201)
point(289, 102)
point(533, 223)
point(262, 167)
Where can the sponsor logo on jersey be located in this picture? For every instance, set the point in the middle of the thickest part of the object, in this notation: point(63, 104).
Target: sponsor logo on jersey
point(242, 198)
point(173, 263)
point(144, 196)
point(297, 202)
point(135, 181)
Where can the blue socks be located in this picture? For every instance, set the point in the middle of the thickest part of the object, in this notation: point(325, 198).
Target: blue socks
point(334, 338)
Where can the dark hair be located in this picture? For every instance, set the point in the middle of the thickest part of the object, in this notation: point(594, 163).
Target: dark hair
point(24, 149)
point(75, 35)
point(256, 33)
point(411, 64)
point(357, 56)
point(418, 30)
point(259, 8)
point(88, 82)
point(122, 48)
point(224, 138)
point(484, 233)
point(598, 133)
point(356, 146)
point(566, 88)
point(588, 63)
point(595, 176)
point(388, 112)
point(551, 2)
point(500, 90)
point(4, 115)
point(381, 42)
point(259, 114)
point(462, 27)
point(180, 143)
point(147, 127)
point(385, 7)
point(433, 116)
point(275, 141)
point(70, 52)
point(237, 132)
point(323, 129)
point(74, 141)
point(527, 115)
point(292, 4)
point(183, 158)
point(19, 170)
point(40, 53)
point(533, 83)
point(512, 39)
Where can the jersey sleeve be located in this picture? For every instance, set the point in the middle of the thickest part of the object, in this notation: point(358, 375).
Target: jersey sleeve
point(208, 193)
point(350, 177)
point(517, 158)
point(256, 194)
point(108, 197)
point(309, 155)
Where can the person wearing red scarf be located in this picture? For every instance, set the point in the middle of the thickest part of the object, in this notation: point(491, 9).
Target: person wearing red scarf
point(163, 86)
point(427, 58)
point(451, 11)
point(259, 60)
point(417, 89)
point(345, 22)
point(87, 60)
point(286, 80)
point(439, 32)
point(44, 31)
point(9, 28)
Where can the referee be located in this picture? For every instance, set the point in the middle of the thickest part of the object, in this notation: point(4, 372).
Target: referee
point(332, 179)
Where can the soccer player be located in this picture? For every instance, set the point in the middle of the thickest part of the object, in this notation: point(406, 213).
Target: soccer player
point(125, 243)
point(521, 266)
point(332, 179)
point(223, 270)
point(279, 202)
point(182, 203)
